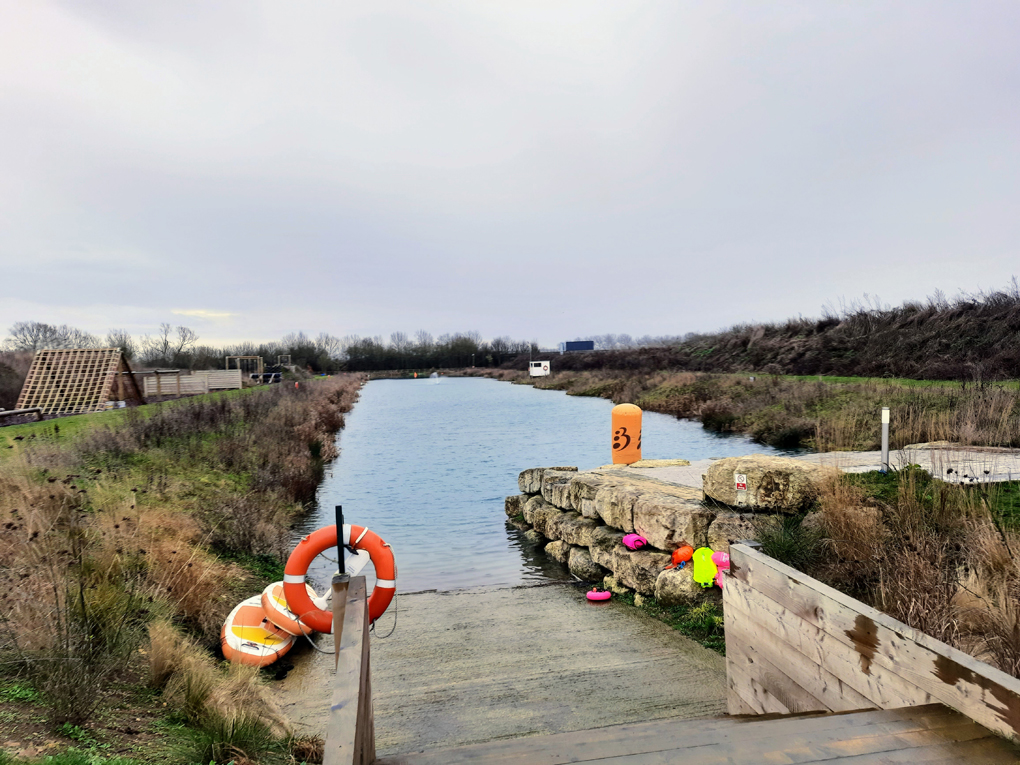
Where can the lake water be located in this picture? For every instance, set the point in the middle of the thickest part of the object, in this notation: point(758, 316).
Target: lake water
point(426, 464)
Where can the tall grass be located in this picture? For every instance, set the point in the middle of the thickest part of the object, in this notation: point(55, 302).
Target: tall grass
point(788, 412)
point(929, 553)
point(117, 533)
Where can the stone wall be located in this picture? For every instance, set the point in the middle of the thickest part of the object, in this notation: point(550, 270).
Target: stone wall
point(580, 519)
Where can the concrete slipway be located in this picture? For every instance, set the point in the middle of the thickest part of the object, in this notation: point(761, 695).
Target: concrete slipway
point(478, 665)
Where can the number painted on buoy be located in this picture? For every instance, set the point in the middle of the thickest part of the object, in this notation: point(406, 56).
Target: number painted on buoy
point(626, 444)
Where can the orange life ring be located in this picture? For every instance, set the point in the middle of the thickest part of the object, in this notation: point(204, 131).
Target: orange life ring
point(321, 540)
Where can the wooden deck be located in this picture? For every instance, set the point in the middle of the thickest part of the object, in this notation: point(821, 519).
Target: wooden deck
point(926, 734)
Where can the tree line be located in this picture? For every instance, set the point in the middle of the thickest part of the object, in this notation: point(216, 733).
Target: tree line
point(179, 347)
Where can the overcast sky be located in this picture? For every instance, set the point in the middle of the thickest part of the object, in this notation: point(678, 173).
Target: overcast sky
point(545, 169)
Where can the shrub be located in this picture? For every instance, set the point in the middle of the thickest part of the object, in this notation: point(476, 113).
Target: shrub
point(240, 739)
point(788, 540)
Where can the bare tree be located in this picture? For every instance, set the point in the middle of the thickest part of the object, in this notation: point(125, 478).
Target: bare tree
point(423, 339)
point(329, 346)
point(186, 339)
point(400, 342)
point(36, 335)
point(168, 344)
point(121, 338)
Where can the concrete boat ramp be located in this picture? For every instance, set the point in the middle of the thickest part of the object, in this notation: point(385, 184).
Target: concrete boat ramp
point(473, 666)
point(540, 675)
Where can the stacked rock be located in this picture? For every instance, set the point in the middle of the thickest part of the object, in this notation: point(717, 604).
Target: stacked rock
point(580, 518)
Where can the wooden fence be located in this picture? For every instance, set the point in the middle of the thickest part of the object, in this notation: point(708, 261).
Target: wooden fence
point(795, 645)
point(175, 385)
point(221, 379)
point(350, 737)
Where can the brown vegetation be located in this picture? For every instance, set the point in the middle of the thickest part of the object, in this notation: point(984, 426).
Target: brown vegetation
point(971, 338)
point(828, 415)
point(937, 556)
point(132, 531)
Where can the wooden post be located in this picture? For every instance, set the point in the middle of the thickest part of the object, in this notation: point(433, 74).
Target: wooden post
point(350, 733)
point(341, 584)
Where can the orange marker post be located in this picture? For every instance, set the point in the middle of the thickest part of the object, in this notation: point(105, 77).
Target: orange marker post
point(626, 434)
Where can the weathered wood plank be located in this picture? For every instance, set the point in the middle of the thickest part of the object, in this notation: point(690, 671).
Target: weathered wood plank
point(777, 655)
point(777, 671)
point(344, 734)
point(880, 689)
point(617, 741)
point(977, 690)
point(803, 649)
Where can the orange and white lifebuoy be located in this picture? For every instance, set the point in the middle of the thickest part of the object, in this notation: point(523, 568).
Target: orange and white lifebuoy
point(321, 540)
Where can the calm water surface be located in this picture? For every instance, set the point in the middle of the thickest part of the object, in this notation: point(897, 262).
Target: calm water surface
point(426, 464)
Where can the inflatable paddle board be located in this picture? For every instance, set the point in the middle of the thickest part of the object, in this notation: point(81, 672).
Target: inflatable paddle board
point(248, 637)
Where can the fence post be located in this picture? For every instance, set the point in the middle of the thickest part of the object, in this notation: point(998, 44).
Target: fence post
point(885, 439)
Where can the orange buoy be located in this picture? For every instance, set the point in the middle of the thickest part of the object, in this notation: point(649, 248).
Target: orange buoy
point(358, 537)
point(626, 434)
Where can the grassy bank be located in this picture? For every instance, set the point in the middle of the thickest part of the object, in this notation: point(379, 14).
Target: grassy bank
point(940, 557)
point(126, 541)
point(819, 413)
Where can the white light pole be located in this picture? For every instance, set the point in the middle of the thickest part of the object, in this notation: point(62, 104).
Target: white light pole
point(885, 439)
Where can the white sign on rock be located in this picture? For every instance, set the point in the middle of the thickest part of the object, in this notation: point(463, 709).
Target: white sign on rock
point(740, 479)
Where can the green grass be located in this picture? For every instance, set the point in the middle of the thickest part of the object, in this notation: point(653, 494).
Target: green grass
point(702, 623)
point(67, 429)
point(265, 567)
point(905, 382)
point(14, 690)
point(72, 756)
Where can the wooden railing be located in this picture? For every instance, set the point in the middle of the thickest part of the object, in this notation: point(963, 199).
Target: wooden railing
point(350, 736)
point(795, 645)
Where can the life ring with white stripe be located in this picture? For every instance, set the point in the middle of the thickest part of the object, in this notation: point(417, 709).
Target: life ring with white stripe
point(358, 537)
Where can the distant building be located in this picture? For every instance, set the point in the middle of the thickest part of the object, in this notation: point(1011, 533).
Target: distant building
point(577, 345)
point(538, 368)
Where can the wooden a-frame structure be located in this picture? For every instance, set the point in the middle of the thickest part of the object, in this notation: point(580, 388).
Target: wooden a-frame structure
point(78, 380)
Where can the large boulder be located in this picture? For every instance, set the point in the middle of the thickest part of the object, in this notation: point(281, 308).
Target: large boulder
point(572, 528)
point(530, 480)
point(514, 504)
point(638, 569)
point(583, 488)
point(533, 504)
point(772, 483)
point(583, 567)
point(729, 527)
point(556, 488)
point(558, 550)
point(615, 505)
point(668, 521)
point(677, 586)
point(544, 518)
point(604, 542)
point(532, 537)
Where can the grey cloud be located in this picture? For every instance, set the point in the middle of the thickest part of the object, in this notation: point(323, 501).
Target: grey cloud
point(539, 170)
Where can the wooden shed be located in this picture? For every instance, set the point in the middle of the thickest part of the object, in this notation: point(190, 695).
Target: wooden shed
point(78, 380)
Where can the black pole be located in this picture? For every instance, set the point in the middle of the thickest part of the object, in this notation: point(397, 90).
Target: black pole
point(340, 538)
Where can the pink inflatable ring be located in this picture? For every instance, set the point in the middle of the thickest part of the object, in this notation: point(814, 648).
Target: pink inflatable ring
point(593, 595)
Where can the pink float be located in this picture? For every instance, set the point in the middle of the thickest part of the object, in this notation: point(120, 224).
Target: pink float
point(634, 541)
point(596, 595)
